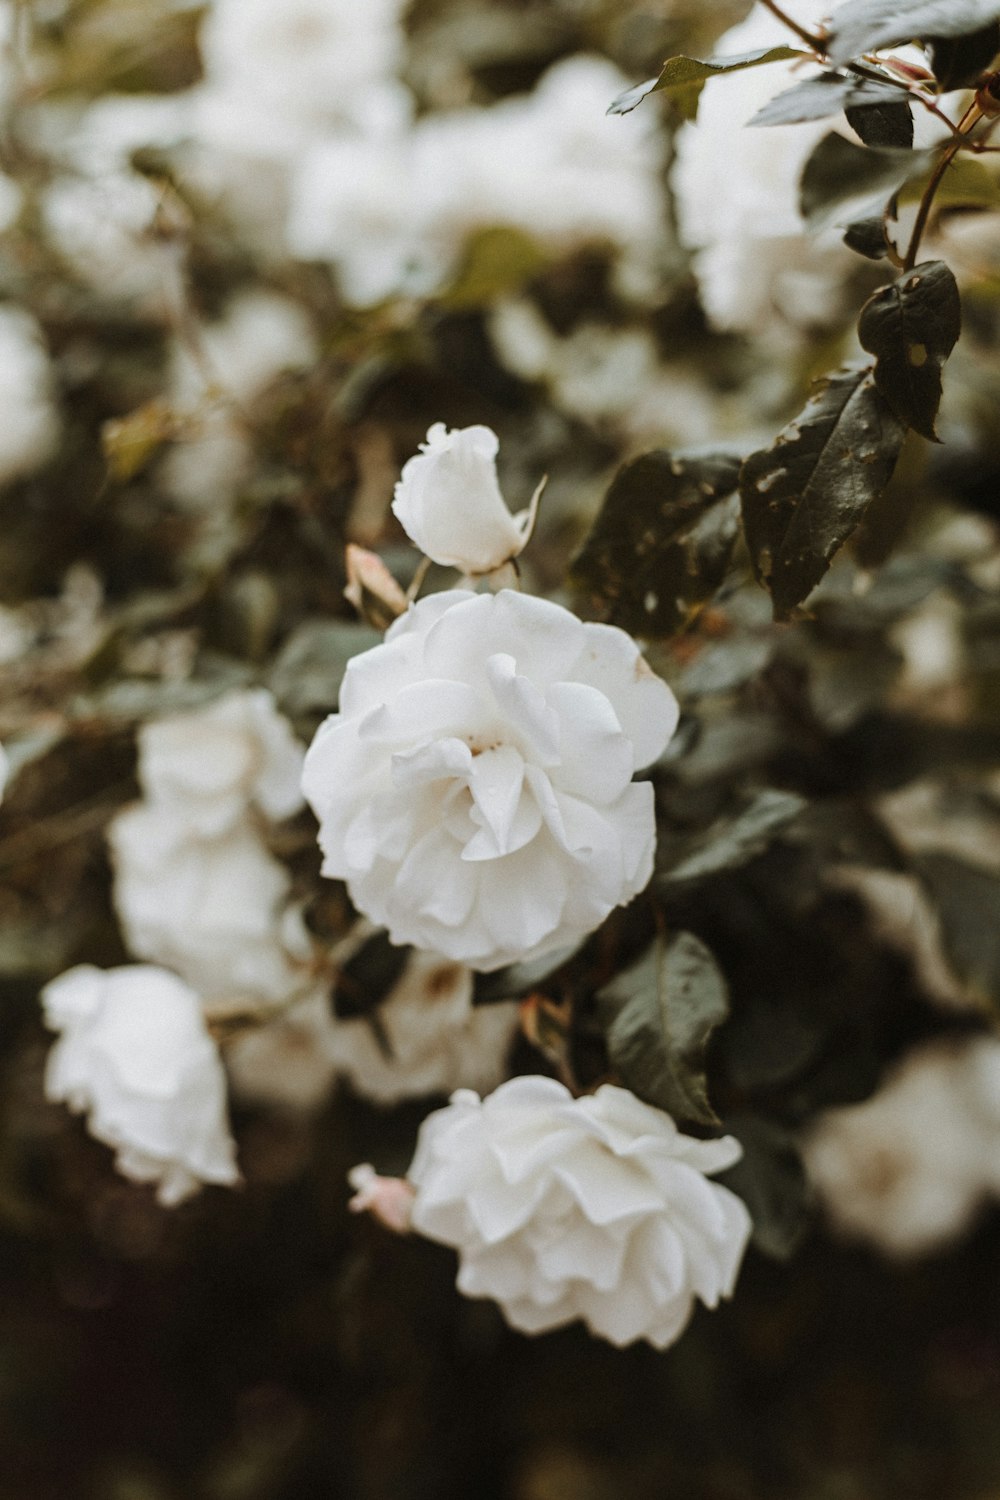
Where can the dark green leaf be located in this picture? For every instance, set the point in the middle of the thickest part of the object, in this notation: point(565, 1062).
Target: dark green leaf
point(307, 675)
point(772, 1183)
point(839, 172)
point(728, 843)
point(886, 122)
point(957, 62)
point(911, 327)
point(683, 78)
point(867, 238)
point(865, 25)
point(803, 496)
point(661, 544)
point(660, 1014)
point(968, 903)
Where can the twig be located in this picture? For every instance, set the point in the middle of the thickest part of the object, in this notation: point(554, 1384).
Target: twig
point(817, 43)
point(968, 122)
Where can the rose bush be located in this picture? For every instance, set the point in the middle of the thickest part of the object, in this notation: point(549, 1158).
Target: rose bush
point(134, 1055)
point(475, 788)
point(594, 1208)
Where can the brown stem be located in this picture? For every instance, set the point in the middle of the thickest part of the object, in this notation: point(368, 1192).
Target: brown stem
point(970, 119)
point(816, 43)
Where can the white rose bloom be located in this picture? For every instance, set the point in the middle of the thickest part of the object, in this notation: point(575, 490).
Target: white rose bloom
point(209, 766)
point(30, 428)
point(135, 1055)
point(448, 501)
point(908, 1168)
point(216, 910)
point(594, 1208)
point(475, 790)
point(439, 1040)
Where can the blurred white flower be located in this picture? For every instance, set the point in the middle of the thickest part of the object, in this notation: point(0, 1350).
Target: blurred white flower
point(475, 790)
point(909, 1167)
point(433, 1039)
point(277, 76)
point(208, 767)
point(448, 501)
point(736, 191)
point(260, 335)
point(135, 1055)
point(594, 1208)
point(288, 1061)
point(394, 213)
point(30, 427)
point(214, 909)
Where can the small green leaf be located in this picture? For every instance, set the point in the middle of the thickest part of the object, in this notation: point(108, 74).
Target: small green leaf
point(683, 78)
point(815, 98)
point(662, 1012)
point(867, 237)
point(865, 25)
point(367, 977)
point(498, 261)
point(838, 172)
point(882, 122)
point(911, 327)
point(728, 843)
point(803, 496)
point(968, 901)
point(662, 541)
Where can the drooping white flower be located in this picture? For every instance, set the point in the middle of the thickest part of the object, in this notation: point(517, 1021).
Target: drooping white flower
point(30, 427)
point(214, 909)
point(448, 501)
point(475, 790)
point(207, 767)
point(909, 1167)
point(433, 1039)
point(594, 1208)
point(135, 1055)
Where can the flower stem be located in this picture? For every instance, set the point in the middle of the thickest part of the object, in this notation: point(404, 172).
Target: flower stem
point(970, 119)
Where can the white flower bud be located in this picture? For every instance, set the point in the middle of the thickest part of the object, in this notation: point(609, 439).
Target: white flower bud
point(448, 502)
point(135, 1055)
point(594, 1208)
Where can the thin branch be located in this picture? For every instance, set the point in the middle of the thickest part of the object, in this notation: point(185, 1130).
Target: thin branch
point(816, 43)
point(968, 122)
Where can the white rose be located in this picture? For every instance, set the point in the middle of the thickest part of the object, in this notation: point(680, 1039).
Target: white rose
point(449, 503)
point(209, 766)
point(438, 1039)
point(909, 1167)
point(30, 429)
point(475, 789)
point(593, 1208)
point(135, 1055)
point(216, 910)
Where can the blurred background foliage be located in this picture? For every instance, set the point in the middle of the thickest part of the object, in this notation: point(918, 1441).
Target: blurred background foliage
point(259, 1345)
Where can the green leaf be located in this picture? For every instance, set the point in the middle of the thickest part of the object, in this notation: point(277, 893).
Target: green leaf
point(683, 78)
point(865, 25)
point(867, 237)
point(803, 496)
point(662, 541)
point(911, 327)
point(968, 902)
point(772, 1183)
point(815, 98)
point(957, 62)
point(661, 1014)
point(966, 184)
point(310, 667)
point(367, 977)
point(730, 842)
point(839, 172)
point(497, 261)
point(883, 122)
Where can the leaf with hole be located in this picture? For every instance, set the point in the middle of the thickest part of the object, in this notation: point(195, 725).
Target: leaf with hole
point(911, 327)
point(662, 541)
point(803, 496)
